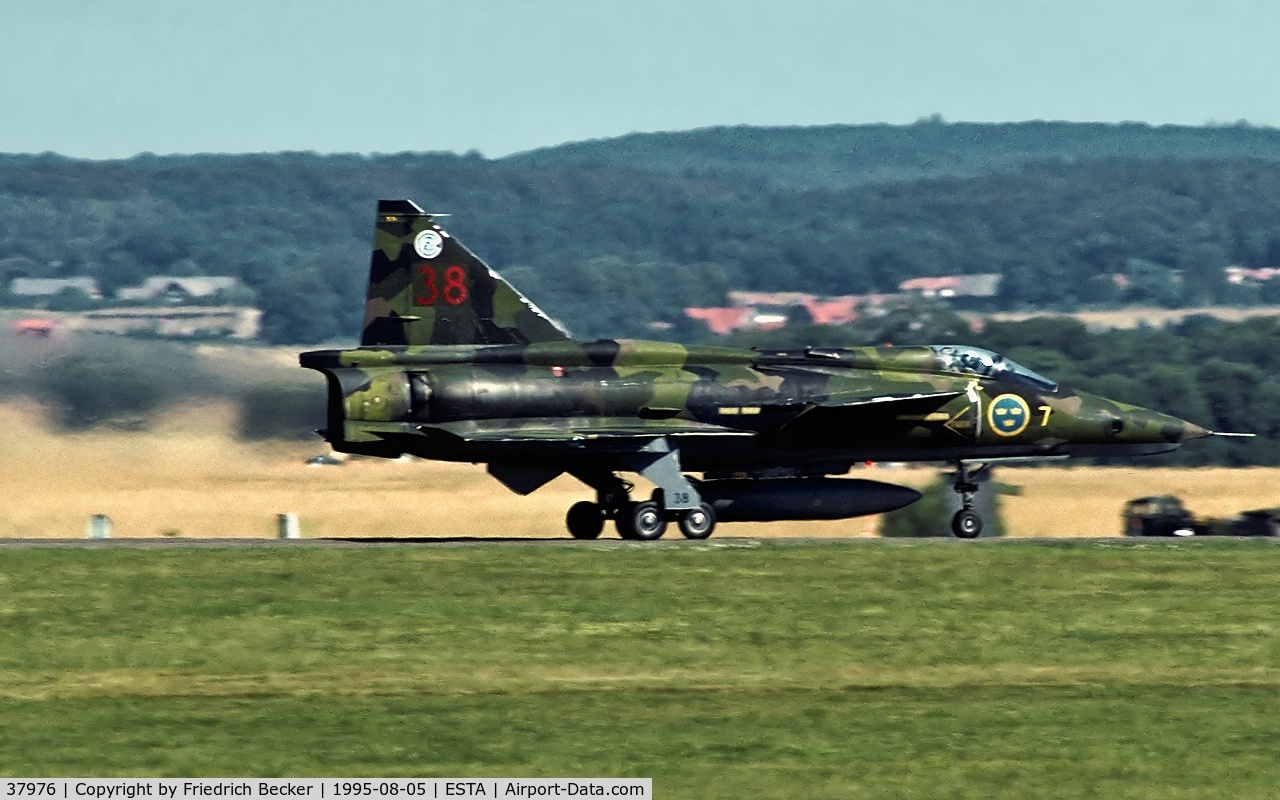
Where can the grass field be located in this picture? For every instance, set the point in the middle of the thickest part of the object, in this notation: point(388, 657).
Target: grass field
point(840, 669)
point(189, 478)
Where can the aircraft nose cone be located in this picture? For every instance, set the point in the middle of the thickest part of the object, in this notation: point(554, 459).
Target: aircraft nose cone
point(1192, 431)
point(1145, 425)
point(1131, 428)
point(1109, 422)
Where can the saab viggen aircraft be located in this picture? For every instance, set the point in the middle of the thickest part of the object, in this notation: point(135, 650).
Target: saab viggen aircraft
point(455, 364)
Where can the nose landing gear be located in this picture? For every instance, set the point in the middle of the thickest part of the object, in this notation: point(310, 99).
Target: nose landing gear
point(967, 523)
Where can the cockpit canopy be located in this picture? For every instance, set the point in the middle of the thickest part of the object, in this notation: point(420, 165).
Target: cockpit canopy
point(965, 360)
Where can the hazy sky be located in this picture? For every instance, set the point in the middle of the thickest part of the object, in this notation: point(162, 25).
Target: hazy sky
point(112, 78)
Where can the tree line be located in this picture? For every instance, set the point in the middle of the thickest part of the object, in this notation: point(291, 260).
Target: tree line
point(613, 245)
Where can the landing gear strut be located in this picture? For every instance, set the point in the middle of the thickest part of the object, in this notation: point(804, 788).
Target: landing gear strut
point(966, 523)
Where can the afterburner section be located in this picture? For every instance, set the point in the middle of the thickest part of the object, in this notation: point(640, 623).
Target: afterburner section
point(964, 360)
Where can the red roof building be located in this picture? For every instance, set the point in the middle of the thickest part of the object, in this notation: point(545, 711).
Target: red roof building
point(720, 320)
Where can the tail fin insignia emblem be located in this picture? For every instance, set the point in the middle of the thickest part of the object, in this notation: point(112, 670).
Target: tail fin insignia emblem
point(428, 244)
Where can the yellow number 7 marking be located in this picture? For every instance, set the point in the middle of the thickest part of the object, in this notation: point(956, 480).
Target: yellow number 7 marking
point(1047, 411)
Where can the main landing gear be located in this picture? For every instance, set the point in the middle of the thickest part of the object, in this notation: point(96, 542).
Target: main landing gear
point(675, 500)
point(643, 521)
point(966, 523)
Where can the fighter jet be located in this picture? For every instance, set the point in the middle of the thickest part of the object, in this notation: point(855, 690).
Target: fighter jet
point(454, 364)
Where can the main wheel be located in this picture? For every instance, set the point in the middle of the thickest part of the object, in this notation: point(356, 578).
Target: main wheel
point(585, 520)
point(641, 521)
point(697, 523)
point(966, 524)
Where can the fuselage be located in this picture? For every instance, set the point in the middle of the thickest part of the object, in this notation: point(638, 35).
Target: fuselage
point(783, 408)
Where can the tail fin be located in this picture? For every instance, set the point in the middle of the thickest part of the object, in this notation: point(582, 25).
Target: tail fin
point(425, 287)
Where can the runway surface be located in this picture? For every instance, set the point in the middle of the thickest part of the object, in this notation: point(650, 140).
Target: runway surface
point(713, 543)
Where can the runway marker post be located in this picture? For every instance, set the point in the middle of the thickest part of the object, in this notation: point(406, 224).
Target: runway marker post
point(288, 527)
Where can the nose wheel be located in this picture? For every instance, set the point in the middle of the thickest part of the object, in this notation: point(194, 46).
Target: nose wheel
point(966, 524)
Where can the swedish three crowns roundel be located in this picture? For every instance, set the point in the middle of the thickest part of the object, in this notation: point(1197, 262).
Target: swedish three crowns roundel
point(1008, 415)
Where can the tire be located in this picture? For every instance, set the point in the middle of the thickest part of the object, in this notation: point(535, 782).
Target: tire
point(643, 521)
point(698, 523)
point(966, 524)
point(585, 520)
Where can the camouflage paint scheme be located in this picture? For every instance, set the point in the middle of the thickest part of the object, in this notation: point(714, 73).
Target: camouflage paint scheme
point(410, 299)
point(734, 407)
point(455, 364)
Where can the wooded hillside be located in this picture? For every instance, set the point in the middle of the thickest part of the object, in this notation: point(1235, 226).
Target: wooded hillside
point(611, 236)
point(843, 156)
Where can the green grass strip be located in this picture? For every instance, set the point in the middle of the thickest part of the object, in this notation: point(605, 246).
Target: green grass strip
point(848, 669)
